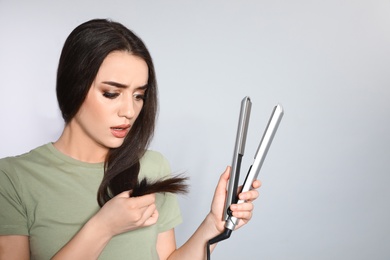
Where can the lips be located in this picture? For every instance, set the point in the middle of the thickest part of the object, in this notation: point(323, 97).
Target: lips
point(120, 131)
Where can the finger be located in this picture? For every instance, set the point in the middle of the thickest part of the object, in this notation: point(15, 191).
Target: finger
point(223, 180)
point(142, 201)
point(244, 215)
point(242, 207)
point(256, 184)
point(225, 175)
point(249, 195)
point(149, 216)
point(152, 219)
point(124, 194)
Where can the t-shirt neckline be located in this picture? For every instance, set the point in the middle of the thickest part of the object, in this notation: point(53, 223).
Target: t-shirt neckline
point(71, 160)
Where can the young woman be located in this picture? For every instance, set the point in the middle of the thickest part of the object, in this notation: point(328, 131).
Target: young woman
point(80, 197)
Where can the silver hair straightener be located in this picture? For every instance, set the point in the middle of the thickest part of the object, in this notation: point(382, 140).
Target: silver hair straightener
point(254, 169)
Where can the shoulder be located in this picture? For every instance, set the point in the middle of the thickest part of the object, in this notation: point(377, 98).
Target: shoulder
point(34, 155)
point(154, 164)
point(20, 164)
point(151, 155)
point(154, 158)
point(6, 168)
point(7, 164)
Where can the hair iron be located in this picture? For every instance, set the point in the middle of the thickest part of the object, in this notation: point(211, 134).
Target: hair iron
point(254, 169)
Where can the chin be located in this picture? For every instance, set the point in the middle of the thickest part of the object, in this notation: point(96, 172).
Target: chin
point(114, 144)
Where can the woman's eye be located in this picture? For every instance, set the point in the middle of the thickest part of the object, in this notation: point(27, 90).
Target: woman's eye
point(110, 95)
point(139, 97)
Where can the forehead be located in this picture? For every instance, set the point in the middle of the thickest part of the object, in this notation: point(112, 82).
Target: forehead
point(123, 67)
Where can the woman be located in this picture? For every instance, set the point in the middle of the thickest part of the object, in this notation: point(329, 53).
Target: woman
point(107, 93)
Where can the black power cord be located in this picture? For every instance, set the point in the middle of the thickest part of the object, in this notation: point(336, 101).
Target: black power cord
point(224, 235)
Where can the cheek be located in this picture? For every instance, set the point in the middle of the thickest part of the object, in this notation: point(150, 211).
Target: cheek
point(94, 112)
point(88, 119)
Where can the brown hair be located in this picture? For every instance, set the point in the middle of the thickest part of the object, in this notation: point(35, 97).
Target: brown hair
point(81, 57)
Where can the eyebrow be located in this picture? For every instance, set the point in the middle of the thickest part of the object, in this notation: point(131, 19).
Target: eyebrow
point(120, 85)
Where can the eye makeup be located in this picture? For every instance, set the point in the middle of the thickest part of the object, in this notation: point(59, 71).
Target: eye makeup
point(110, 95)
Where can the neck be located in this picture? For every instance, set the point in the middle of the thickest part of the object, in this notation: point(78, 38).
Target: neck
point(79, 146)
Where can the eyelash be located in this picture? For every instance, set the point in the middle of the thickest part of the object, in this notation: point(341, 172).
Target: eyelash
point(110, 95)
point(139, 97)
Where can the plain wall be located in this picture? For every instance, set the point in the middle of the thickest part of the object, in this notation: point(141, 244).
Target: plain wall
point(325, 181)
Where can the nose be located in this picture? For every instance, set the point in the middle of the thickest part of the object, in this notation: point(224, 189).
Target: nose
point(127, 108)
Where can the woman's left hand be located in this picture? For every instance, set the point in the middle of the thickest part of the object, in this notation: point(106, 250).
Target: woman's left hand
point(214, 224)
point(242, 211)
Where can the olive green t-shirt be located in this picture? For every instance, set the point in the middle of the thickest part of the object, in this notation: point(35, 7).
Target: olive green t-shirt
point(49, 196)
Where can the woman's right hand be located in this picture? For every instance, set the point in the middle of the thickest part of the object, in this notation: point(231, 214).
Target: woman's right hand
point(118, 215)
point(123, 213)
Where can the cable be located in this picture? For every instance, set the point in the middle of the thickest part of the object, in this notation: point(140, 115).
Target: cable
point(224, 235)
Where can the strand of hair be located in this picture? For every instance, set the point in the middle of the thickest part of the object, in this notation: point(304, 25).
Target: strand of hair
point(171, 185)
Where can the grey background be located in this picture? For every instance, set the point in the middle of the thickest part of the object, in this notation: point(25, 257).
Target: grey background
point(325, 188)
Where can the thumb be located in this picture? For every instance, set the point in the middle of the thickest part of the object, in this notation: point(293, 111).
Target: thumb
point(124, 194)
point(223, 180)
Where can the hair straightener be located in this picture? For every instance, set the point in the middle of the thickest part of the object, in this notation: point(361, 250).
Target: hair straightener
point(254, 169)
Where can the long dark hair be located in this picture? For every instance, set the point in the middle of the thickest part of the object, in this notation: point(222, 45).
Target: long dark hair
point(82, 55)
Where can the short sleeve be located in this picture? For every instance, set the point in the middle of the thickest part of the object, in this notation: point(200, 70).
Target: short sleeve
point(169, 213)
point(13, 217)
point(155, 165)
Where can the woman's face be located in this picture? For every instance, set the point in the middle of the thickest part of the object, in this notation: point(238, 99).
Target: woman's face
point(114, 100)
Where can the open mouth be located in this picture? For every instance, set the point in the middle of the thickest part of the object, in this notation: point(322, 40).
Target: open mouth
point(120, 131)
point(118, 128)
